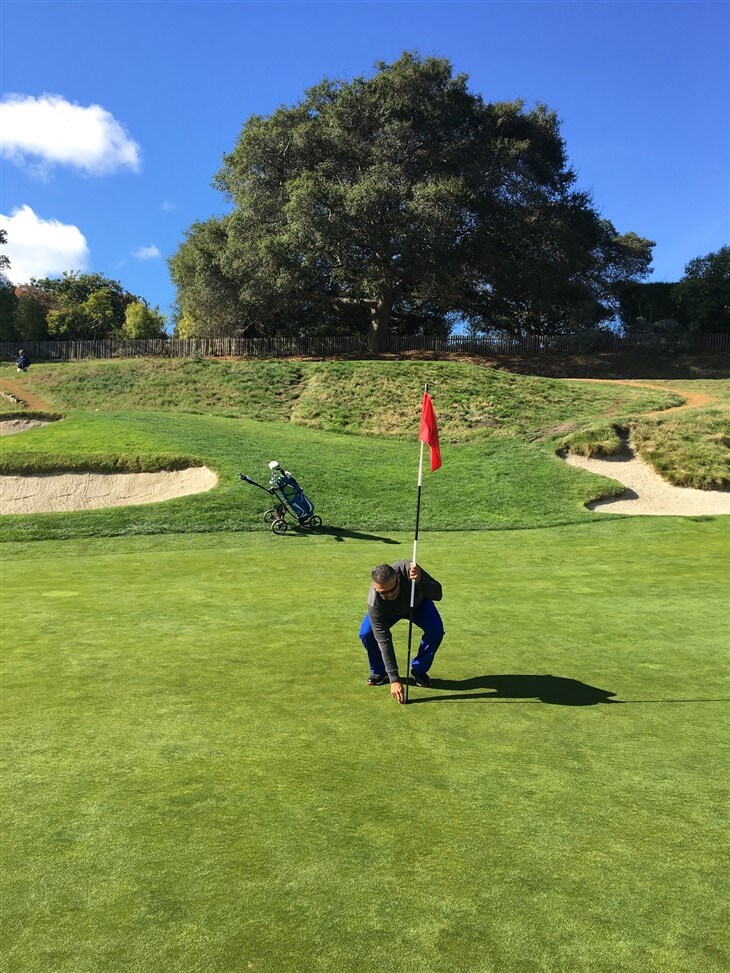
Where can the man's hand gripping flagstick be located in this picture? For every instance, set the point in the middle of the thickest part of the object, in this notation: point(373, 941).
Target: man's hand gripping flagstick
point(428, 433)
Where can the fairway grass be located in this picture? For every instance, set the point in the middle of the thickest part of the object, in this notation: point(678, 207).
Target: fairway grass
point(346, 429)
point(356, 482)
point(197, 779)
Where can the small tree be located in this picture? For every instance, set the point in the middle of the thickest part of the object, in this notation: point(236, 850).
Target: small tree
point(8, 300)
point(705, 291)
point(141, 321)
point(32, 312)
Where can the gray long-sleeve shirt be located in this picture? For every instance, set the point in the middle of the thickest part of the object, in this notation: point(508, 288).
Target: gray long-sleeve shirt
point(383, 612)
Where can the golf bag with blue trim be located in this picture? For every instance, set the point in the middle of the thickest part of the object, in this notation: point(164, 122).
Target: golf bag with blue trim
point(293, 501)
point(296, 499)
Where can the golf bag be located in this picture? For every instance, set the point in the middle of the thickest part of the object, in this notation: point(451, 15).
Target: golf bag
point(296, 499)
point(292, 500)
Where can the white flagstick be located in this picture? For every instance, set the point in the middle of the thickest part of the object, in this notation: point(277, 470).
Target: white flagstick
point(415, 561)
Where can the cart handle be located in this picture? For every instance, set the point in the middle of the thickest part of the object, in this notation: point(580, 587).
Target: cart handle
point(244, 476)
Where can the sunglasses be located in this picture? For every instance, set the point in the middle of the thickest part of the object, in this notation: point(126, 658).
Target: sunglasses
point(389, 591)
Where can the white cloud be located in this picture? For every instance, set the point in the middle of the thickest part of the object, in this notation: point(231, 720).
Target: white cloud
point(58, 132)
point(41, 248)
point(167, 206)
point(146, 253)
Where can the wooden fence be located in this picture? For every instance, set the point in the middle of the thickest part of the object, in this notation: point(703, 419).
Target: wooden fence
point(335, 345)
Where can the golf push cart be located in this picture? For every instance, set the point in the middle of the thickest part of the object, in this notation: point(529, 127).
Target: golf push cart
point(292, 501)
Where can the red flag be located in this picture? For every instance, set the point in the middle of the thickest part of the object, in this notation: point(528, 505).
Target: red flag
point(429, 432)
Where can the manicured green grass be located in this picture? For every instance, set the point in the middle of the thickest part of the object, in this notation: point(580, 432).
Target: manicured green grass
point(196, 777)
point(347, 429)
point(357, 483)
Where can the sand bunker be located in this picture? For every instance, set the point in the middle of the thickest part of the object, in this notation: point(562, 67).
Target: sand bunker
point(11, 427)
point(51, 492)
point(647, 492)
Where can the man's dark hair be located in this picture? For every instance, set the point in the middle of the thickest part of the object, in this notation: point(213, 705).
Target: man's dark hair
point(383, 573)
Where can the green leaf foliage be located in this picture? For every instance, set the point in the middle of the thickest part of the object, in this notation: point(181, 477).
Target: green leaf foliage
point(400, 201)
point(87, 307)
point(705, 290)
point(141, 321)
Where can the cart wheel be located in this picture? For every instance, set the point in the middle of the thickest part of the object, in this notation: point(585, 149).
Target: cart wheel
point(270, 516)
point(279, 527)
point(314, 522)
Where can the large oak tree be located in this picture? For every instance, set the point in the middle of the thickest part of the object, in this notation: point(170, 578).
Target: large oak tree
point(400, 201)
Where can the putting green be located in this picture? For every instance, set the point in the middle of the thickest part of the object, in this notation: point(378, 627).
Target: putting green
point(201, 781)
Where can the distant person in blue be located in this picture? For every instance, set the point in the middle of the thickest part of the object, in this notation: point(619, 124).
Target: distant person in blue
point(389, 600)
point(23, 362)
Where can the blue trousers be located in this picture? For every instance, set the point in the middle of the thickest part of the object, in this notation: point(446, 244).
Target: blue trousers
point(427, 618)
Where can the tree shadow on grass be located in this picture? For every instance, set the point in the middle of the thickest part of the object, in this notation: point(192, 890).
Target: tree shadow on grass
point(555, 690)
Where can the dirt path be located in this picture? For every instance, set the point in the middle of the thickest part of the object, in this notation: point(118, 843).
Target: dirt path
point(7, 385)
point(693, 400)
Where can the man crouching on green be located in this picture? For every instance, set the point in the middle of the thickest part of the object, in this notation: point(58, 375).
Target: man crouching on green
point(389, 600)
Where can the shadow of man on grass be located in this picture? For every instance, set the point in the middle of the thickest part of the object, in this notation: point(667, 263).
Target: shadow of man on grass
point(555, 690)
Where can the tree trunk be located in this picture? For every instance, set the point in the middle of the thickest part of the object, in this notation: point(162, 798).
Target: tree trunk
point(380, 315)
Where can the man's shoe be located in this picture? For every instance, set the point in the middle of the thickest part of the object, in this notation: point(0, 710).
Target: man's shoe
point(378, 680)
point(421, 679)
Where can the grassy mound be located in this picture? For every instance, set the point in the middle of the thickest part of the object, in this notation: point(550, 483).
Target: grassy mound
point(689, 448)
point(371, 398)
point(357, 483)
point(347, 429)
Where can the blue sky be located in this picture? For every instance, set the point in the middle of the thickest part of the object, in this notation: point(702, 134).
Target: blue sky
point(116, 114)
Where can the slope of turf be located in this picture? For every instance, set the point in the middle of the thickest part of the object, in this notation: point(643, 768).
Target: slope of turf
point(499, 434)
point(687, 448)
point(357, 483)
point(382, 399)
point(371, 398)
point(196, 777)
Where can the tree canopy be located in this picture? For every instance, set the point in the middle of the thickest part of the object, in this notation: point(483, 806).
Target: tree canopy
point(401, 201)
point(80, 306)
point(8, 300)
point(699, 302)
point(704, 290)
